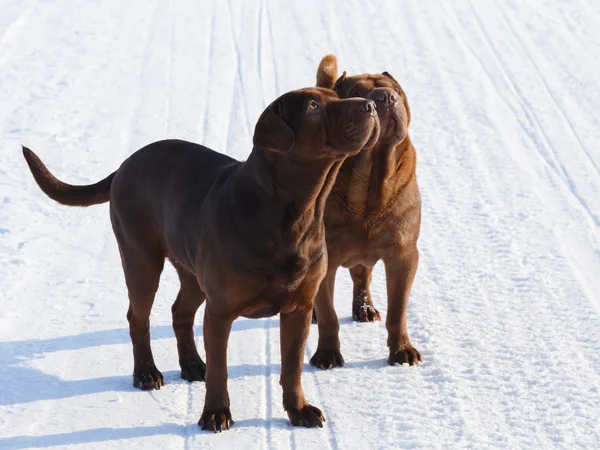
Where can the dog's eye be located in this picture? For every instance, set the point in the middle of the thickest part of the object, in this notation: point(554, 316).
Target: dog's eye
point(313, 106)
point(355, 94)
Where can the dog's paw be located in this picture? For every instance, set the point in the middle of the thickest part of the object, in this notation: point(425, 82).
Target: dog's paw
point(148, 379)
point(365, 313)
point(216, 421)
point(327, 359)
point(309, 417)
point(407, 354)
point(193, 370)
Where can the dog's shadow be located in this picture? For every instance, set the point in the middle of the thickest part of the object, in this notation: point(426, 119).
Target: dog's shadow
point(23, 384)
point(105, 434)
point(92, 435)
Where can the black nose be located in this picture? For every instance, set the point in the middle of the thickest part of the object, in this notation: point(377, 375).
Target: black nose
point(368, 106)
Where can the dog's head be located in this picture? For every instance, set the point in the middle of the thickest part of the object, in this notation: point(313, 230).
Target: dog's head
point(392, 105)
point(315, 123)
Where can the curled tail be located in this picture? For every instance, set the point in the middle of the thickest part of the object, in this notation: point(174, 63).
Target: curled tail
point(327, 72)
point(67, 194)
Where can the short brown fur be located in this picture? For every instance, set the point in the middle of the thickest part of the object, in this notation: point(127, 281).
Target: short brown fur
point(372, 214)
point(248, 238)
point(327, 72)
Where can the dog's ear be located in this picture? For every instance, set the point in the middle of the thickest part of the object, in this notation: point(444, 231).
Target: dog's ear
point(339, 82)
point(327, 72)
point(389, 75)
point(271, 131)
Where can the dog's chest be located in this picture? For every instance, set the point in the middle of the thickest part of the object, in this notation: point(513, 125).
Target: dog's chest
point(290, 279)
point(361, 236)
point(294, 274)
point(351, 245)
point(283, 294)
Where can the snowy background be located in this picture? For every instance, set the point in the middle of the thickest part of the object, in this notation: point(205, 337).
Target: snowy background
point(505, 309)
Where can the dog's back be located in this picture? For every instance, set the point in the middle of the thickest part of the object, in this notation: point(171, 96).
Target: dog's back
point(157, 188)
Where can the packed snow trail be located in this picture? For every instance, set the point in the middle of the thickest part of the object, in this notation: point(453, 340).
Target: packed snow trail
point(506, 304)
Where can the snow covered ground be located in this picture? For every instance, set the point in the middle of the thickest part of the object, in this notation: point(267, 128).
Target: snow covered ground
point(506, 304)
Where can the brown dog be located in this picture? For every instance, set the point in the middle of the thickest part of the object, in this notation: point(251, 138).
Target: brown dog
point(373, 213)
point(248, 237)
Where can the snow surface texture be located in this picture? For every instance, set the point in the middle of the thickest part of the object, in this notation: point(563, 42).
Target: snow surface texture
point(505, 308)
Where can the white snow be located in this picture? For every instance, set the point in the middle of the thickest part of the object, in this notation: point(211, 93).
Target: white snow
point(505, 309)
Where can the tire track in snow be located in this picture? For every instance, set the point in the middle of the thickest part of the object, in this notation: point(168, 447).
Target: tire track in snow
point(259, 38)
point(168, 105)
point(209, 65)
point(538, 371)
point(268, 372)
point(238, 123)
point(548, 90)
point(429, 378)
point(268, 362)
point(163, 11)
point(167, 119)
point(549, 157)
point(332, 440)
point(434, 379)
point(362, 384)
point(228, 137)
point(273, 57)
point(239, 77)
point(100, 257)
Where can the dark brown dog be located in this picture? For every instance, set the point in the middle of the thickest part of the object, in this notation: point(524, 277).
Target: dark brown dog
point(373, 213)
point(249, 237)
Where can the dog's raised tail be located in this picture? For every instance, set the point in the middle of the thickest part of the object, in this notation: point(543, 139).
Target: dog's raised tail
point(67, 194)
point(327, 73)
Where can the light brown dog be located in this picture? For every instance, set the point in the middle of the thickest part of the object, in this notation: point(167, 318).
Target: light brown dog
point(372, 214)
point(248, 238)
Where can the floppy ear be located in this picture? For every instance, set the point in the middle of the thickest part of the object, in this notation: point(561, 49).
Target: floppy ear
point(327, 72)
point(339, 81)
point(271, 131)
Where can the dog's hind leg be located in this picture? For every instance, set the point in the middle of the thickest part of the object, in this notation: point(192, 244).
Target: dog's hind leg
point(142, 267)
point(189, 299)
point(363, 309)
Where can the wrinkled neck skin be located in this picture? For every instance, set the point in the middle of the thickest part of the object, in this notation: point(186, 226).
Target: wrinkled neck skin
point(299, 186)
point(374, 178)
point(395, 162)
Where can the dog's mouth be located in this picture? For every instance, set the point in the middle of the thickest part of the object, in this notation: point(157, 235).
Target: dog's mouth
point(392, 115)
point(373, 138)
point(365, 134)
point(393, 128)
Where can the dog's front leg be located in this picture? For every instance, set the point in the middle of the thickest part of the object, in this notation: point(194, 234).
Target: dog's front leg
point(216, 415)
point(294, 328)
point(400, 270)
point(328, 353)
